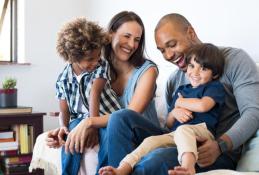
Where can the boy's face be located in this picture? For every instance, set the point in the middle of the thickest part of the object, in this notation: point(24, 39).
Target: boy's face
point(90, 61)
point(197, 74)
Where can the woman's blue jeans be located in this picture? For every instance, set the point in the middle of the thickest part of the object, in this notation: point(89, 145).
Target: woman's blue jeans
point(127, 129)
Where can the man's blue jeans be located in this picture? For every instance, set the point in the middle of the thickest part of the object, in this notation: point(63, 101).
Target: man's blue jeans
point(71, 162)
point(127, 129)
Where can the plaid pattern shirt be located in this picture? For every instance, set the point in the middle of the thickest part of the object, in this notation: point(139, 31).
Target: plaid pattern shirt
point(68, 88)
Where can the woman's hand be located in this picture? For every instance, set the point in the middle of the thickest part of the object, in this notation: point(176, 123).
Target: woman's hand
point(81, 136)
point(52, 139)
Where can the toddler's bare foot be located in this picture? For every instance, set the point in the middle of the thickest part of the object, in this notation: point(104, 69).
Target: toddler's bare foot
point(178, 170)
point(109, 170)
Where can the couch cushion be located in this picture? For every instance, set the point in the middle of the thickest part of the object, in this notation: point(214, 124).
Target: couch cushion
point(250, 157)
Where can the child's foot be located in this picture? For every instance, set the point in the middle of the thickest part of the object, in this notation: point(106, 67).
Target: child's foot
point(109, 170)
point(178, 170)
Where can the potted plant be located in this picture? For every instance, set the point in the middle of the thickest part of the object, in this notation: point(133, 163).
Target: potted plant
point(8, 94)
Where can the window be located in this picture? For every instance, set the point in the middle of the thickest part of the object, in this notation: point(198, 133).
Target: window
point(10, 30)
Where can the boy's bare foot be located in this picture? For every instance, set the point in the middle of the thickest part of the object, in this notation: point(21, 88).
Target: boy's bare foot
point(178, 170)
point(109, 170)
point(123, 169)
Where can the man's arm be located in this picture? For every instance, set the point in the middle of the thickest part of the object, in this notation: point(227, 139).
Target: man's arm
point(245, 83)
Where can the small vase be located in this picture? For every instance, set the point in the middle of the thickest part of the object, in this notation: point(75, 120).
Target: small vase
point(8, 98)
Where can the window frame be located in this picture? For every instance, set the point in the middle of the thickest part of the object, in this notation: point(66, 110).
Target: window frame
point(13, 31)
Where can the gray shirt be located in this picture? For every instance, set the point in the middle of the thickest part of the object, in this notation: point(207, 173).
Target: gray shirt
point(240, 116)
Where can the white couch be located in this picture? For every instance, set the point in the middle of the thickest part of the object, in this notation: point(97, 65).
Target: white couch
point(50, 159)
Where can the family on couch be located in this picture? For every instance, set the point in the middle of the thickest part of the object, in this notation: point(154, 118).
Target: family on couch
point(133, 79)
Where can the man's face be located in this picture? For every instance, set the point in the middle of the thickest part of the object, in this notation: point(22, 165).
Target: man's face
point(173, 43)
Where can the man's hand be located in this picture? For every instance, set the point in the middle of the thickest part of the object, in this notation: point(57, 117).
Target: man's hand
point(182, 115)
point(208, 151)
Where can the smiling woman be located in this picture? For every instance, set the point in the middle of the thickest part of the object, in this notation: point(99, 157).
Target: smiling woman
point(9, 30)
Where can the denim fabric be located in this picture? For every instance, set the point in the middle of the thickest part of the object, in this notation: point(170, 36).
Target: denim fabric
point(71, 162)
point(102, 154)
point(127, 129)
point(162, 159)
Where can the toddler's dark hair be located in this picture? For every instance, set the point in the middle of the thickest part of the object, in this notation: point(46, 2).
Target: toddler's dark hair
point(208, 56)
point(78, 38)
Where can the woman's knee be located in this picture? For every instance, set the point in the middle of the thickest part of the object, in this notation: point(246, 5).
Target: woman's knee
point(122, 116)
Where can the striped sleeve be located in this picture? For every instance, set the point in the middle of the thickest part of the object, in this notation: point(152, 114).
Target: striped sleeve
point(60, 91)
point(102, 70)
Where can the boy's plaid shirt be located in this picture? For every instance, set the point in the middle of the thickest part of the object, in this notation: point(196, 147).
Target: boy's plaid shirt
point(67, 88)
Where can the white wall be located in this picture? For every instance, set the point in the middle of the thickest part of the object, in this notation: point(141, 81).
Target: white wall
point(227, 23)
point(36, 83)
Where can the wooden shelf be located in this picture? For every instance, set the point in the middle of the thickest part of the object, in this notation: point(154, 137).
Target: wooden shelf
point(34, 119)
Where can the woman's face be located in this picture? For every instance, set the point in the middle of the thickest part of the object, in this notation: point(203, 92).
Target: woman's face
point(125, 40)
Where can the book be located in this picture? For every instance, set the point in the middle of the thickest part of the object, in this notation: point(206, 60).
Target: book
point(7, 140)
point(8, 146)
point(16, 169)
point(16, 129)
point(30, 138)
point(24, 144)
point(16, 110)
point(9, 153)
point(17, 160)
point(6, 134)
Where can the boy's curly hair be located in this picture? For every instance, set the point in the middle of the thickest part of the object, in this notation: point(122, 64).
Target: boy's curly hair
point(78, 38)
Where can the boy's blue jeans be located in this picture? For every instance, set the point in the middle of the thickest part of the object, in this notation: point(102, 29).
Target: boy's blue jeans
point(71, 162)
point(127, 129)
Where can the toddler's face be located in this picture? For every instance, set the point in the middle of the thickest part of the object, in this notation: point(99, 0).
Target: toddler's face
point(90, 61)
point(197, 74)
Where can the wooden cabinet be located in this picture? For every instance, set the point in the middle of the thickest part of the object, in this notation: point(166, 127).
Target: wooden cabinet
point(34, 119)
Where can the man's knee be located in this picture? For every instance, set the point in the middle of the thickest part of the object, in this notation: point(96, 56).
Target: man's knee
point(157, 162)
